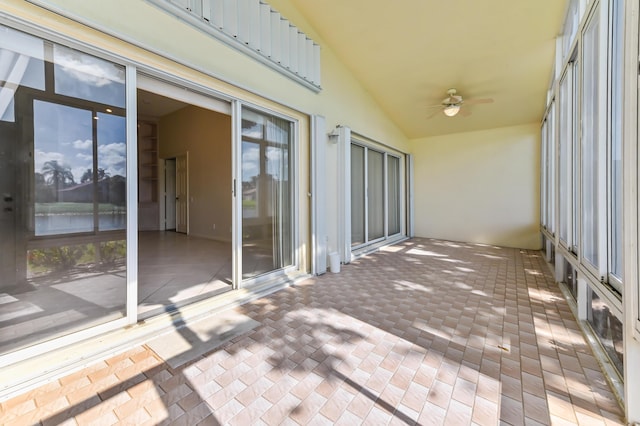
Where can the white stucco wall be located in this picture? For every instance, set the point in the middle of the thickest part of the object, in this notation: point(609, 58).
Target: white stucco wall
point(480, 187)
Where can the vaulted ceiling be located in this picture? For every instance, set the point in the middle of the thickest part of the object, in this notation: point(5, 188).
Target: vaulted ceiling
point(407, 53)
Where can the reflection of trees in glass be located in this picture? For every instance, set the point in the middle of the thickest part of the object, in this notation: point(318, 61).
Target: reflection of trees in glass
point(57, 174)
point(44, 192)
point(102, 174)
point(116, 191)
point(87, 176)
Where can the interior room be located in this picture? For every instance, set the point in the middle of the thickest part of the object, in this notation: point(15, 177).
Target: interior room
point(184, 202)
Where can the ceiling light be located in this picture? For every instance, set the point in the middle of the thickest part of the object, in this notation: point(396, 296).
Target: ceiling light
point(451, 110)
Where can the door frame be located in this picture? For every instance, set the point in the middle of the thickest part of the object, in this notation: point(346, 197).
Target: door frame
point(187, 197)
point(169, 202)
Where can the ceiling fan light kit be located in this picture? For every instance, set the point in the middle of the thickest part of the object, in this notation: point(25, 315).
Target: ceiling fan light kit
point(453, 102)
point(451, 110)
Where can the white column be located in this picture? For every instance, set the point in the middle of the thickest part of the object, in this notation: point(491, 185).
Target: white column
point(630, 201)
point(319, 237)
point(132, 196)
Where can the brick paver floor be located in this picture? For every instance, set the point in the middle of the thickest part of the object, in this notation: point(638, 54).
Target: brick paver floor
point(423, 332)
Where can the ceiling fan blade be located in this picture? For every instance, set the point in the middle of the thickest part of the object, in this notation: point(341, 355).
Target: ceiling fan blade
point(464, 112)
point(433, 114)
point(478, 101)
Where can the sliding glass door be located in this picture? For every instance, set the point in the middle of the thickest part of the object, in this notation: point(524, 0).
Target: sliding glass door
point(63, 178)
point(81, 137)
point(267, 191)
point(376, 195)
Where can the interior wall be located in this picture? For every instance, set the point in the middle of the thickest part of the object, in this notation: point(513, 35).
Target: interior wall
point(206, 136)
point(480, 187)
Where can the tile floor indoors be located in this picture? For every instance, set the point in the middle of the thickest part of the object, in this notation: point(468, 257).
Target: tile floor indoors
point(174, 270)
point(423, 332)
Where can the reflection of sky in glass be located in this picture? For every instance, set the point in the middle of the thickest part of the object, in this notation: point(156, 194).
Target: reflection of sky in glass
point(7, 105)
point(277, 162)
point(63, 134)
point(20, 42)
point(21, 64)
point(112, 150)
point(86, 77)
point(255, 131)
point(273, 134)
point(250, 161)
point(277, 131)
point(21, 58)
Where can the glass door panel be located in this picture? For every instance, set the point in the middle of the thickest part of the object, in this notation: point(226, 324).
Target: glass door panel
point(590, 143)
point(63, 219)
point(111, 174)
point(357, 195)
point(267, 218)
point(375, 195)
point(393, 195)
point(564, 170)
point(617, 99)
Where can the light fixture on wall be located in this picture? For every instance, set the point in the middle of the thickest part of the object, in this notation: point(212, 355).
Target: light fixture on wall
point(334, 135)
point(451, 110)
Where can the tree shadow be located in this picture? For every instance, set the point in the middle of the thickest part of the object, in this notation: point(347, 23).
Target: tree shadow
point(444, 311)
point(408, 302)
point(176, 394)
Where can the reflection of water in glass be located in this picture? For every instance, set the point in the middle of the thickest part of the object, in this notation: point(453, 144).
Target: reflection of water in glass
point(53, 224)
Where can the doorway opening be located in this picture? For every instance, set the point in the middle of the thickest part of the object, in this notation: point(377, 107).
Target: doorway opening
point(184, 201)
point(176, 190)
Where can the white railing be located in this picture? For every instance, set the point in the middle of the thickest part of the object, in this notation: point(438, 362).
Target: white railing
point(254, 28)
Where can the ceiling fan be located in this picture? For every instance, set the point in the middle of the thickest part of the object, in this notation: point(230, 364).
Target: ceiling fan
point(452, 104)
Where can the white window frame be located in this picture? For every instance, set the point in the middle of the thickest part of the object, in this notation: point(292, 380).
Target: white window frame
point(576, 167)
point(345, 138)
point(552, 153)
point(599, 270)
point(544, 200)
point(613, 280)
point(565, 140)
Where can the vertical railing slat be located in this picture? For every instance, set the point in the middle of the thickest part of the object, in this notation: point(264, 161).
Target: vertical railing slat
point(260, 28)
point(230, 18)
point(284, 42)
point(265, 29)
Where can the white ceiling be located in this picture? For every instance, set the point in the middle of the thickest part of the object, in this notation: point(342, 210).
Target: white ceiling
point(407, 53)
